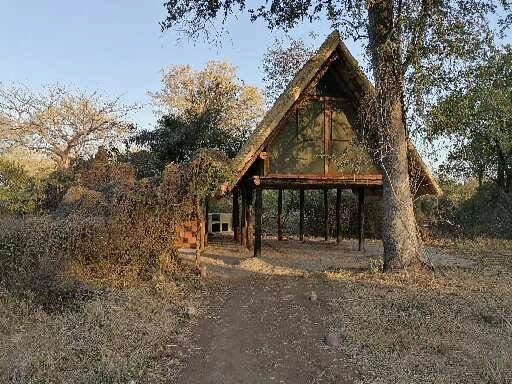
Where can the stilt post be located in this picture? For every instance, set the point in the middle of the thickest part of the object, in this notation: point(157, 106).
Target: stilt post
point(250, 215)
point(258, 208)
point(280, 215)
point(235, 219)
point(360, 207)
point(301, 214)
point(338, 214)
point(243, 219)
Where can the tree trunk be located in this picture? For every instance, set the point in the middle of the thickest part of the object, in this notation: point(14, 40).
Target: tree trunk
point(502, 167)
point(480, 177)
point(62, 161)
point(402, 247)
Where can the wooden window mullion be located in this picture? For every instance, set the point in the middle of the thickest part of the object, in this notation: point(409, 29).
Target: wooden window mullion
point(327, 135)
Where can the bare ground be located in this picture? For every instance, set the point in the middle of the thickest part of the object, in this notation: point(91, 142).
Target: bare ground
point(451, 325)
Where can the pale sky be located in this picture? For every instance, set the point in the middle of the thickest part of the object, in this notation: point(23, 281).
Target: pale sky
point(116, 46)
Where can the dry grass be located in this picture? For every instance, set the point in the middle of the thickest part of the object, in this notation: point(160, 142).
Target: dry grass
point(78, 309)
point(453, 324)
point(113, 337)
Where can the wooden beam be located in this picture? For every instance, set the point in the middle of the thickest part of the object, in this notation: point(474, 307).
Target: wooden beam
point(235, 219)
point(301, 214)
point(360, 207)
point(206, 220)
point(285, 181)
point(243, 221)
point(258, 208)
point(280, 215)
point(338, 214)
point(250, 219)
point(326, 216)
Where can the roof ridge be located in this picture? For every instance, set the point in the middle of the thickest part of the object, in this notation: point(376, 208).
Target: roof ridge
point(253, 146)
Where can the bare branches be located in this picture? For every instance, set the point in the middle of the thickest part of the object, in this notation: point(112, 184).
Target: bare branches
point(280, 64)
point(61, 123)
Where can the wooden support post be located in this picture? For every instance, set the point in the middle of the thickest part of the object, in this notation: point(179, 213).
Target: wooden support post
point(235, 219)
point(249, 213)
point(280, 215)
point(206, 221)
point(258, 210)
point(243, 220)
point(200, 225)
point(338, 214)
point(361, 218)
point(326, 216)
point(301, 214)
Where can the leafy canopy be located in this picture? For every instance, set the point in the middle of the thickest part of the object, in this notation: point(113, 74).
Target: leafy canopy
point(429, 37)
point(478, 120)
point(209, 108)
point(19, 192)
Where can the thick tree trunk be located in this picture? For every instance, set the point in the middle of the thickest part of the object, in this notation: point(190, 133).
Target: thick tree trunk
point(402, 247)
point(503, 172)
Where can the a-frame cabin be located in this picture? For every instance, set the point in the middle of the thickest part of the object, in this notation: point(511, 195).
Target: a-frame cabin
point(311, 139)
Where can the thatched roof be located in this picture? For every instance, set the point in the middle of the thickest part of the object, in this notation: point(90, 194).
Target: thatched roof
point(306, 75)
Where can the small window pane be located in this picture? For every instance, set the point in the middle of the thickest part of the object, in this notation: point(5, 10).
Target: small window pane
point(215, 216)
point(216, 227)
point(225, 227)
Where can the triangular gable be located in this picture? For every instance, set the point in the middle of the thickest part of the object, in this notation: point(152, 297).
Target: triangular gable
point(307, 75)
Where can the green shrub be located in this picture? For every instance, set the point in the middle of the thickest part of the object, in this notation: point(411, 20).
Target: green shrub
point(467, 210)
point(19, 192)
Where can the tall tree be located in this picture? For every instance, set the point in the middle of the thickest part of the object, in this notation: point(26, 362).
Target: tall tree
point(176, 140)
point(214, 94)
point(210, 108)
point(478, 120)
point(406, 39)
point(61, 123)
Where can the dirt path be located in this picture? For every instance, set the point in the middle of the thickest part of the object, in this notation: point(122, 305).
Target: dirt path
point(266, 330)
point(261, 327)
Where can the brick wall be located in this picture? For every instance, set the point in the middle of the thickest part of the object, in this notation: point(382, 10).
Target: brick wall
point(187, 235)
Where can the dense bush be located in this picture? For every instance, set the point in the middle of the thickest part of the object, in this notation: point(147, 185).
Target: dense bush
point(63, 318)
point(19, 192)
point(109, 227)
point(467, 210)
